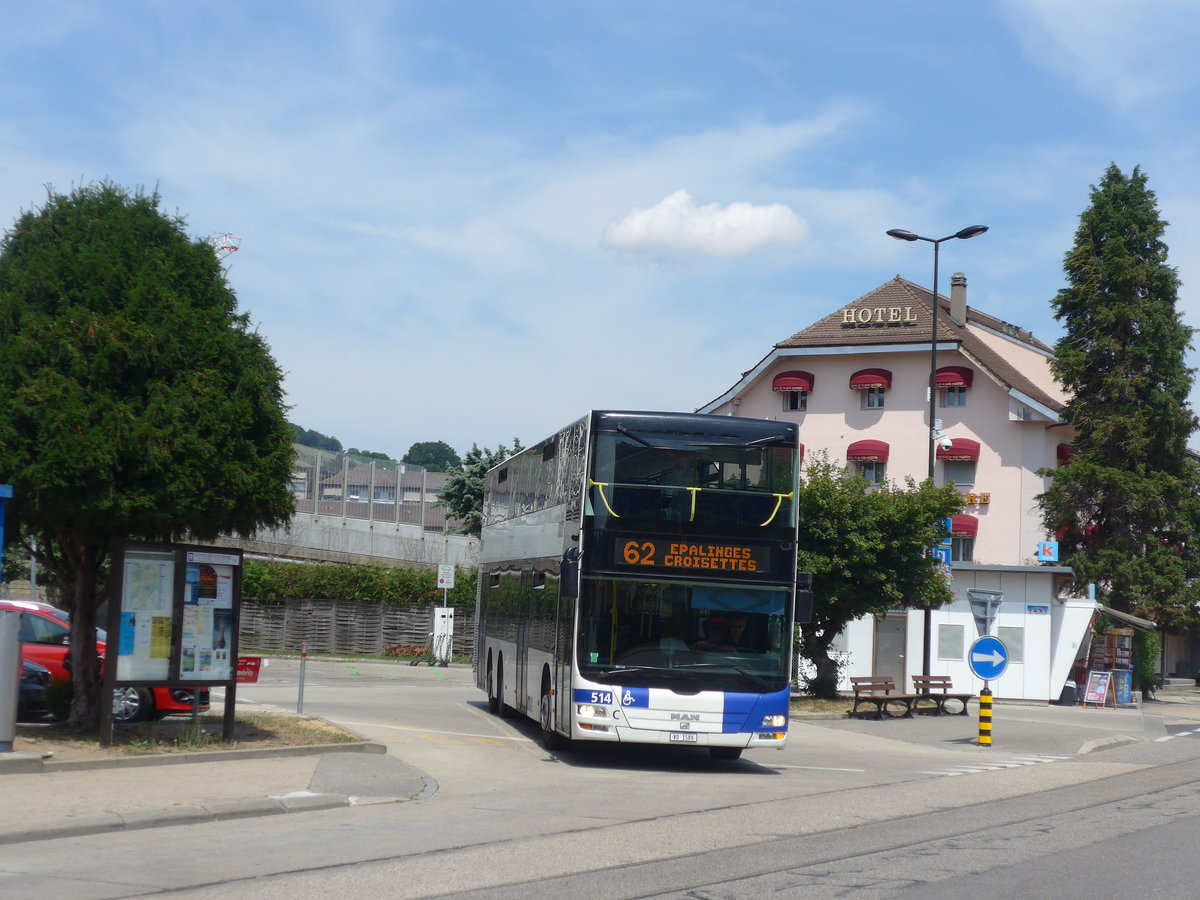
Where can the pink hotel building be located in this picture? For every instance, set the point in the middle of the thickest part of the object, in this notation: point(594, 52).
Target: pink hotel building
point(857, 383)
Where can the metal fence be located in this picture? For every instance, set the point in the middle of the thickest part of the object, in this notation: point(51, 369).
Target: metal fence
point(325, 483)
point(343, 626)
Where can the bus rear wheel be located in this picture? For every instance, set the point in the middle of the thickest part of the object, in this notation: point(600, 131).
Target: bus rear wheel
point(493, 703)
point(725, 752)
point(501, 708)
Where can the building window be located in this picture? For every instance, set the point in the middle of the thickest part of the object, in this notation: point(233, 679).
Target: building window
point(795, 400)
point(960, 471)
point(872, 398)
point(1014, 642)
point(872, 470)
point(950, 642)
point(962, 549)
point(955, 395)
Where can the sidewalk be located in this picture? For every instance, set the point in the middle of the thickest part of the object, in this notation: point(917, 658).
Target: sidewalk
point(44, 799)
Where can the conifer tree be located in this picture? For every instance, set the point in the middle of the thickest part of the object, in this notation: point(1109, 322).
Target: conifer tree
point(136, 402)
point(1125, 507)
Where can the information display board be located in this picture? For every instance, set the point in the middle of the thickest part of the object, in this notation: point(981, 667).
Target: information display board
point(173, 620)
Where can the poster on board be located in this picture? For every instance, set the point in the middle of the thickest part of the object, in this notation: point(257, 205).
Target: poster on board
point(207, 640)
point(146, 624)
point(1099, 688)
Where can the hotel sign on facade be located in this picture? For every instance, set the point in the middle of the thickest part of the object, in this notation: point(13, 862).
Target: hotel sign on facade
point(878, 316)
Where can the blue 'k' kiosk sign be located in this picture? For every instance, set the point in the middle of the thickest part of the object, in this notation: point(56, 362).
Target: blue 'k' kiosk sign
point(988, 658)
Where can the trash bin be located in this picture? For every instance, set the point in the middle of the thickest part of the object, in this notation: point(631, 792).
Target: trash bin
point(1069, 695)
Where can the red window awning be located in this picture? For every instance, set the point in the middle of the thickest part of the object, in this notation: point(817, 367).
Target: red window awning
point(793, 381)
point(876, 451)
point(1064, 453)
point(955, 376)
point(870, 378)
point(964, 526)
point(960, 449)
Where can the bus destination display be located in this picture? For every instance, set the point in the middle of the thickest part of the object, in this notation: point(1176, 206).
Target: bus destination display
point(711, 557)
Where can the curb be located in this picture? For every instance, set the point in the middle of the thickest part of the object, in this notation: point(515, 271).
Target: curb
point(32, 763)
point(1103, 743)
point(100, 823)
point(199, 756)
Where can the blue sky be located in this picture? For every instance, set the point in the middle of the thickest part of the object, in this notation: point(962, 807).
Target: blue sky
point(469, 221)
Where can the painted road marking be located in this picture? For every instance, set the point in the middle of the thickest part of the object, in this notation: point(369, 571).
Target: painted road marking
point(817, 768)
point(1014, 763)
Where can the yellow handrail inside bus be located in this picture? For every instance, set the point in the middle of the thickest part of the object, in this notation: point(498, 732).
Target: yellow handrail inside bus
point(779, 498)
point(602, 485)
point(693, 491)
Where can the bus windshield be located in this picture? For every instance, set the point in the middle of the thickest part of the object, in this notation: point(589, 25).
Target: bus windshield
point(662, 483)
point(679, 634)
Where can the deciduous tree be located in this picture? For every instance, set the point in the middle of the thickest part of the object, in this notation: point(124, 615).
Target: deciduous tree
point(137, 401)
point(436, 456)
point(866, 548)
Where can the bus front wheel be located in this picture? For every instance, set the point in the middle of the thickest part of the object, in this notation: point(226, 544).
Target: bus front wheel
point(551, 739)
point(725, 752)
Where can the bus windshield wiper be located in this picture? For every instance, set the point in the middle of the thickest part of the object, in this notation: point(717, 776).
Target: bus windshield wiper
point(754, 443)
point(761, 683)
point(623, 669)
point(624, 429)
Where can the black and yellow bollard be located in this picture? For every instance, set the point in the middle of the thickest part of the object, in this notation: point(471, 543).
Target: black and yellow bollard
point(985, 718)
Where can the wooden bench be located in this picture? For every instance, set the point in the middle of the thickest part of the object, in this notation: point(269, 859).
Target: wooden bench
point(877, 691)
point(927, 687)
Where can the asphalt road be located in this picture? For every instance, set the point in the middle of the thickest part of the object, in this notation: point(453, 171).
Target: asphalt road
point(866, 809)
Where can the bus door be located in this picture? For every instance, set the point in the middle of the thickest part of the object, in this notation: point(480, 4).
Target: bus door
point(564, 647)
point(521, 684)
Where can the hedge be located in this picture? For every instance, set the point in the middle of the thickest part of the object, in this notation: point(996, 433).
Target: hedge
point(267, 581)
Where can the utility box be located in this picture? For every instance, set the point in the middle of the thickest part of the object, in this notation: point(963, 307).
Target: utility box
point(443, 633)
point(10, 677)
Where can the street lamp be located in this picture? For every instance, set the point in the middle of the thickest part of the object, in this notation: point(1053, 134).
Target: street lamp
point(901, 235)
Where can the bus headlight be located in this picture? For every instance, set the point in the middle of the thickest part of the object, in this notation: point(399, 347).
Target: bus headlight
point(774, 721)
point(587, 711)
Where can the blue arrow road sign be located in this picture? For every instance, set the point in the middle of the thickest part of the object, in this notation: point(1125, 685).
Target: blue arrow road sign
point(988, 657)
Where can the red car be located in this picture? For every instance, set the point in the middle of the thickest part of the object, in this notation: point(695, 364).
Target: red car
point(44, 640)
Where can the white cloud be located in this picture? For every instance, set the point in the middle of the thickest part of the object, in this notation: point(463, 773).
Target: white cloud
point(676, 227)
point(1127, 54)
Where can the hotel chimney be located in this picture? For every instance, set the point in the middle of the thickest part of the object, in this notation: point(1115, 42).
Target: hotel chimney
point(958, 298)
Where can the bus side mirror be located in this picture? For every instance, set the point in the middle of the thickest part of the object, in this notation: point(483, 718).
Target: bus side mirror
point(569, 574)
point(804, 598)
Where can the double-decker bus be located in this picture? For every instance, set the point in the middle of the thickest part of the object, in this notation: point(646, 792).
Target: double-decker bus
point(637, 581)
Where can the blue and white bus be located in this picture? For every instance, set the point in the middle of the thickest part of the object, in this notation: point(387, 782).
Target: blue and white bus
point(637, 581)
